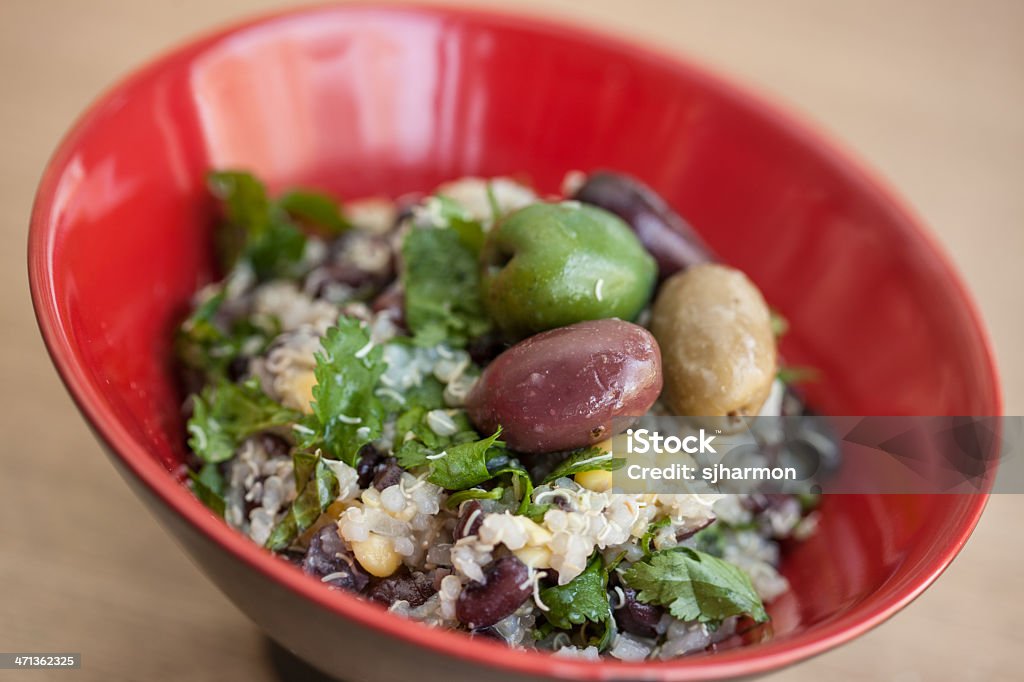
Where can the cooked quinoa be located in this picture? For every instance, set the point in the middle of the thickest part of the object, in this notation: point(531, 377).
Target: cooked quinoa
point(334, 378)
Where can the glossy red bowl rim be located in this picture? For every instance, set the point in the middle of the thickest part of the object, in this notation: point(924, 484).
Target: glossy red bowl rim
point(135, 459)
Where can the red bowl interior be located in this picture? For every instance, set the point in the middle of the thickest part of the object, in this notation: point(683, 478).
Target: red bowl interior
point(362, 100)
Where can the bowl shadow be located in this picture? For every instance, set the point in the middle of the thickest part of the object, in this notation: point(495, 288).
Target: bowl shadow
point(287, 667)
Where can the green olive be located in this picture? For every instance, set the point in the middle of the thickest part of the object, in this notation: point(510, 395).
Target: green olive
point(717, 346)
point(550, 265)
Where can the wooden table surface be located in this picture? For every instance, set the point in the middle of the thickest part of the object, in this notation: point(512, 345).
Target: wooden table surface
point(929, 92)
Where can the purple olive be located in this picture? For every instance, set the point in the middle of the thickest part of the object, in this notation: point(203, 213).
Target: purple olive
point(561, 389)
point(506, 586)
point(670, 239)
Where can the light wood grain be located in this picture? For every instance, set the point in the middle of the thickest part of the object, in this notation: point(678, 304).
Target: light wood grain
point(931, 93)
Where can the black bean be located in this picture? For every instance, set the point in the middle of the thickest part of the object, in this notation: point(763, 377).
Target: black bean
point(483, 349)
point(293, 557)
point(414, 588)
point(670, 239)
point(487, 633)
point(238, 368)
point(684, 534)
point(358, 265)
point(351, 275)
point(761, 502)
point(369, 458)
point(637, 618)
point(506, 586)
point(391, 300)
point(193, 461)
point(192, 381)
point(274, 445)
point(437, 575)
point(328, 556)
point(406, 205)
point(388, 474)
point(469, 510)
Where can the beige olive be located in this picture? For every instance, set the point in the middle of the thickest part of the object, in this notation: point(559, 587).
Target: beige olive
point(717, 347)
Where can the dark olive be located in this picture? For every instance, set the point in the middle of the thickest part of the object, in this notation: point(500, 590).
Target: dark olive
point(670, 239)
point(562, 388)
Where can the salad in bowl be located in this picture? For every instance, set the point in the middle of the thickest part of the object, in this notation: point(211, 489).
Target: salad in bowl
point(413, 401)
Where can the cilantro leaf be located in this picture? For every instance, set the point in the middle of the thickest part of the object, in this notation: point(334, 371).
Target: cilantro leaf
point(243, 197)
point(779, 323)
point(796, 374)
point(522, 485)
point(316, 209)
point(695, 586)
point(428, 394)
point(457, 498)
point(204, 346)
point(442, 288)
point(417, 440)
point(585, 459)
point(224, 414)
point(582, 600)
point(317, 487)
point(278, 251)
point(453, 215)
point(534, 511)
point(711, 540)
point(256, 229)
point(460, 461)
point(652, 530)
point(208, 486)
point(464, 465)
point(347, 370)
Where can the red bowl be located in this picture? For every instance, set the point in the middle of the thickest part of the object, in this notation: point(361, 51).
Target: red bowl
point(361, 100)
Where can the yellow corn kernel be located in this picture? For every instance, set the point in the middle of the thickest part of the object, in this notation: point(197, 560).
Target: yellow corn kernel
point(330, 515)
point(377, 555)
point(536, 534)
point(302, 391)
point(534, 557)
point(307, 535)
point(598, 481)
point(604, 446)
point(334, 509)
